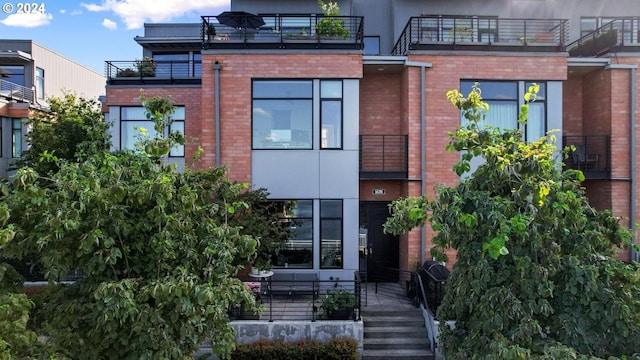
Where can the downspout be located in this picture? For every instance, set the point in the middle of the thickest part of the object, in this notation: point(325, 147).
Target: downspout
point(216, 85)
point(632, 158)
point(423, 143)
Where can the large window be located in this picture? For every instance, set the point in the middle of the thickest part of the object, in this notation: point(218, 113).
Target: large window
point(331, 234)
point(504, 98)
point(178, 65)
point(282, 114)
point(331, 114)
point(298, 253)
point(133, 118)
point(13, 74)
point(40, 83)
point(16, 138)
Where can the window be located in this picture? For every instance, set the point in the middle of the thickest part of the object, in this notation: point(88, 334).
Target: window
point(16, 138)
point(197, 65)
point(504, 99)
point(40, 83)
point(298, 252)
point(331, 114)
point(282, 114)
point(331, 234)
point(13, 74)
point(171, 65)
point(134, 117)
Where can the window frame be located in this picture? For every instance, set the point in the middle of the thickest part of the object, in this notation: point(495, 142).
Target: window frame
point(309, 219)
point(340, 220)
point(167, 131)
point(40, 83)
point(257, 98)
point(521, 88)
point(330, 99)
point(16, 133)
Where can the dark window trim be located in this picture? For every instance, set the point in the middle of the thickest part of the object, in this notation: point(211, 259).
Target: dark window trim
point(341, 219)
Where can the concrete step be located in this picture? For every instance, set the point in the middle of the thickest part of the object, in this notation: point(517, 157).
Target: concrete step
point(397, 354)
point(386, 311)
point(376, 321)
point(394, 332)
point(407, 343)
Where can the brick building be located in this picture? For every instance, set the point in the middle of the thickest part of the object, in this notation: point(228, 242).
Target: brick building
point(337, 125)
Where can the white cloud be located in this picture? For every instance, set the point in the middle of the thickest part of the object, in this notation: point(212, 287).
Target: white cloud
point(62, 11)
point(76, 12)
point(27, 20)
point(135, 13)
point(109, 24)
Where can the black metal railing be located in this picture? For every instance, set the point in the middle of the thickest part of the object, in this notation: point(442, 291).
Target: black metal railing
point(591, 155)
point(384, 156)
point(304, 303)
point(618, 35)
point(12, 91)
point(286, 31)
point(435, 32)
point(155, 69)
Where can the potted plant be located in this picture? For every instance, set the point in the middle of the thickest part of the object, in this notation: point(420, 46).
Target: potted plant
point(146, 67)
point(330, 25)
point(338, 304)
point(262, 263)
point(211, 31)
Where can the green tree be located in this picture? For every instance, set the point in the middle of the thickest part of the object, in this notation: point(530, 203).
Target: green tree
point(73, 129)
point(535, 276)
point(156, 249)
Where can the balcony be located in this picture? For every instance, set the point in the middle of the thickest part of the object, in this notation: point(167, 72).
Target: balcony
point(15, 92)
point(617, 35)
point(482, 33)
point(149, 71)
point(592, 155)
point(384, 157)
point(285, 32)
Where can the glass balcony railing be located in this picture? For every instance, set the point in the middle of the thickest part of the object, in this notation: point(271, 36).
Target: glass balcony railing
point(439, 32)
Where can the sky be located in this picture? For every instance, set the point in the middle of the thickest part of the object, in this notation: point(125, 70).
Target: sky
point(91, 32)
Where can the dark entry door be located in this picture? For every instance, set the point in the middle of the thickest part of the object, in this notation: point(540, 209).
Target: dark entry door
point(381, 250)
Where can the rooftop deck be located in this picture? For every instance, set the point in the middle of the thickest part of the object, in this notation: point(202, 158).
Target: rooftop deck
point(482, 33)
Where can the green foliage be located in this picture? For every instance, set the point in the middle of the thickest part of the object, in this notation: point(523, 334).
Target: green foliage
point(146, 67)
point(72, 130)
point(535, 276)
point(158, 110)
point(157, 250)
point(337, 301)
point(330, 24)
point(334, 349)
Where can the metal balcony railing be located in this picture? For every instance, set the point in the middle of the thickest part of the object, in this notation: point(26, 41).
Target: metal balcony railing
point(618, 35)
point(12, 91)
point(161, 71)
point(443, 32)
point(297, 31)
point(384, 156)
point(592, 155)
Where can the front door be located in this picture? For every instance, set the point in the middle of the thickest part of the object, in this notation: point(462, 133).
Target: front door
point(381, 251)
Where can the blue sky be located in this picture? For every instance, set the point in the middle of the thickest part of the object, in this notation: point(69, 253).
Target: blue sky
point(93, 31)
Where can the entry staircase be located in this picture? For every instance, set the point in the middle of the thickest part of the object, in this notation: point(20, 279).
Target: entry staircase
point(394, 332)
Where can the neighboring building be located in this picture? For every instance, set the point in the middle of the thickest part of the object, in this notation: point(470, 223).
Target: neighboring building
point(338, 125)
point(29, 74)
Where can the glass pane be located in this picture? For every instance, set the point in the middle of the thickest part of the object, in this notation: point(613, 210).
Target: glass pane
point(291, 89)
point(282, 124)
point(171, 57)
point(133, 113)
point(503, 115)
point(331, 136)
point(178, 113)
point(497, 90)
point(13, 74)
point(130, 132)
point(331, 208)
point(542, 92)
point(177, 149)
point(535, 122)
point(331, 89)
point(303, 208)
point(371, 45)
point(331, 244)
point(16, 138)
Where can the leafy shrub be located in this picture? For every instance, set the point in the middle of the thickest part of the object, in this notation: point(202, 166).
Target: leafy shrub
point(335, 349)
